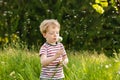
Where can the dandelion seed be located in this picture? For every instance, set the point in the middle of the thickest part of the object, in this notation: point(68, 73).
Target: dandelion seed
point(1, 1)
point(4, 14)
point(5, 3)
point(2, 62)
point(6, 34)
point(66, 32)
point(48, 10)
point(118, 72)
point(110, 65)
point(116, 60)
point(98, 32)
point(75, 16)
point(106, 66)
point(17, 16)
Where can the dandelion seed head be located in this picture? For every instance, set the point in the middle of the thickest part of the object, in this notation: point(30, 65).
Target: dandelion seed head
point(60, 39)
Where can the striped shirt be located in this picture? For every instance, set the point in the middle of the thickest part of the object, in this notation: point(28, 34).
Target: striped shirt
point(52, 71)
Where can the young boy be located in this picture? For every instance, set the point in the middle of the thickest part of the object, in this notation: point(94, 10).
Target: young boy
point(52, 53)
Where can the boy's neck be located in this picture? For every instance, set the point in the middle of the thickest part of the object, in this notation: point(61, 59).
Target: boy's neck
point(52, 44)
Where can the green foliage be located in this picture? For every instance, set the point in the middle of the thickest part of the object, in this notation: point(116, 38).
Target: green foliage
point(22, 64)
point(81, 26)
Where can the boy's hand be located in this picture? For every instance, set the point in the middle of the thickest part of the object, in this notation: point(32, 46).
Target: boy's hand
point(60, 63)
point(63, 63)
point(60, 52)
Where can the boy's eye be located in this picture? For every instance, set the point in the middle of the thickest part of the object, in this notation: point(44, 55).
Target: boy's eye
point(53, 33)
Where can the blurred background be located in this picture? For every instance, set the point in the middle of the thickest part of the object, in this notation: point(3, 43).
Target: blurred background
point(85, 24)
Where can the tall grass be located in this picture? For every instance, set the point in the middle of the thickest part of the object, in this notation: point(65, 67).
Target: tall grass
point(22, 64)
point(18, 64)
point(91, 66)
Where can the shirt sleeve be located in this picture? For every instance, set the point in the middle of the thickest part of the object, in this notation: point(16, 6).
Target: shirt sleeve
point(62, 47)
point(43, 51)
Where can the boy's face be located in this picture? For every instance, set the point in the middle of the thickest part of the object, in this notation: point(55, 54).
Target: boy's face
point(52, 34)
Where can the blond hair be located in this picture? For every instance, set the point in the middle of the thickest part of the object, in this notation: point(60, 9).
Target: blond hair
point(48, 22)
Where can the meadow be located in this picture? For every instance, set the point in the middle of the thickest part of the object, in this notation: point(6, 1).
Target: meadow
point(24, 64)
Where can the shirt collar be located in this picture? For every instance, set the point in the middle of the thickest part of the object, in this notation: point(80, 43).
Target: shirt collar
point(52, 44)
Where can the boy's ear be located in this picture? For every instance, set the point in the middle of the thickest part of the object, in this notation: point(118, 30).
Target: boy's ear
point(44, 35)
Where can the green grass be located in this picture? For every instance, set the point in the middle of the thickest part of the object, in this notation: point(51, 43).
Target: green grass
point(91, 66)
point(18, 64)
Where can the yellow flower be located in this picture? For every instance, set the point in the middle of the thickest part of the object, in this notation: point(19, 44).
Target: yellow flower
point(98, 8)
point(104, 4)
point(97, 1)
point(14, 37)
point(6, 40)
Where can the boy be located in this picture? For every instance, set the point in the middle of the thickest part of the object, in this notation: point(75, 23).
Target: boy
point(52, 53)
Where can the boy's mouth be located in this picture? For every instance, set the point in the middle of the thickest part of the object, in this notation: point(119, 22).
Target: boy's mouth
point(54, 38)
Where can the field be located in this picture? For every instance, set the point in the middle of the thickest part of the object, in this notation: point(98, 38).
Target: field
point(22, 64)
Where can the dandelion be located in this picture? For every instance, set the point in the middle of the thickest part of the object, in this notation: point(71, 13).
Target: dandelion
point(60, 39)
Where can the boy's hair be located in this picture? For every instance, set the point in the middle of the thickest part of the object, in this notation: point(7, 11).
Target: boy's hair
point(48, 22)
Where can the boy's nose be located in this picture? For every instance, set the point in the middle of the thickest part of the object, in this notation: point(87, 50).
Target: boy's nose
point(55, 35)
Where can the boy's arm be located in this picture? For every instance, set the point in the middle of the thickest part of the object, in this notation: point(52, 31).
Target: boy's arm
point(47, 60)
point(65, 60)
